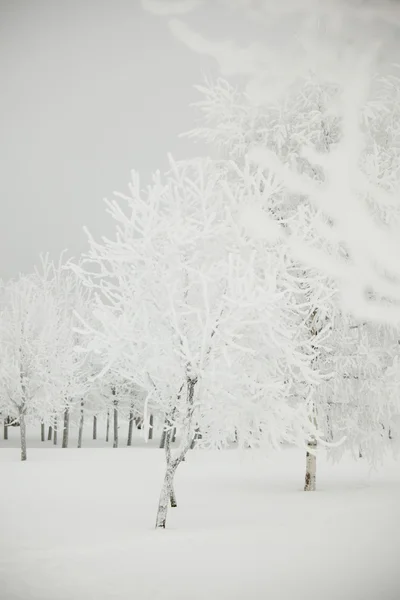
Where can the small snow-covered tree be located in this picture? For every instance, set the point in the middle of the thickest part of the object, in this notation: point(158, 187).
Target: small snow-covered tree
point(26, 315)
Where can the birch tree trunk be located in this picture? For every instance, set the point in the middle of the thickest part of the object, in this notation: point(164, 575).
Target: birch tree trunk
point(311, 467)
point(81, 421)
point(108, 426)
point(55, 431)
point(94, 427)
point(22, 428)
point(311, 457)
point(64, 443)
point(115, 441)
point(50, 433)
point(167, 495)
point(42, 432)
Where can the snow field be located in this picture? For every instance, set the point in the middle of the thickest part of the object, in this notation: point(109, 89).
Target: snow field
point(78, 524)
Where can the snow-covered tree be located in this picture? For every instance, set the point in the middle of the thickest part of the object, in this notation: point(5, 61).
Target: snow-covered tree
point(69, 373)
point(26, 315)
point(278, 213)
point(186, 312)
point(342, 45)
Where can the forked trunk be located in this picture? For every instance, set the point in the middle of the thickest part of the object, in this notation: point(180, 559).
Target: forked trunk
point(311, 467)
point(108, 426)
point(81, 422)
point(130, 429)
point(95, 427)
point(50, 433)
point(115, 440)
point(22, 428)
point(42, 432)
point(167, 495)
point(65, 428)
point(55, 431)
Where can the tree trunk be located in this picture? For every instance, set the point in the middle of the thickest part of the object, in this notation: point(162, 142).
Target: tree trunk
point(167, 495)
point(151, 427)
point(311, 467)
point(50, 433)
point(42, 432)
point(163, 435)
point(197, 436)
point(81, 421)
point(139, 422)
point(65, 428)
point(94, 427)
point(172, 496)
point(173, 439)
point(115, 440)
point(22, 428)
point(55, 431)
point(130, 429)
point(167, 491)
point(108, 426)
point(5, 428)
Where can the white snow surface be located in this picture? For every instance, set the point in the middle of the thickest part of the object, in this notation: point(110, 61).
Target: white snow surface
point(78, 524)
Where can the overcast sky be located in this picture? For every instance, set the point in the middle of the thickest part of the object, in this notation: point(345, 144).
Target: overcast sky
point(91, 90)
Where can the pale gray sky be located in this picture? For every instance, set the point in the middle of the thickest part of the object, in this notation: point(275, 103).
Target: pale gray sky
point(90, 90)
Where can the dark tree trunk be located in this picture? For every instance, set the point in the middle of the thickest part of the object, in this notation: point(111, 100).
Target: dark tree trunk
point(108, 426)
point(65, 428)
point(55, 432)
point(130, 429)
point(197, 436)
point(42, 432)
point(95, 427)
point(173, 439)
point(81, 421)
point(50, 433)
point(151, 420)
point(163, 435)
point(115, 440)
point(5, 428)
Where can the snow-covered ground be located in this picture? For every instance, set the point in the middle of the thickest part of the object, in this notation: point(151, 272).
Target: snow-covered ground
point(79, 525)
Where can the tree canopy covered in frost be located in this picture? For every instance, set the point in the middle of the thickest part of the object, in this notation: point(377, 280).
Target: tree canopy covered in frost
point(182, 294)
